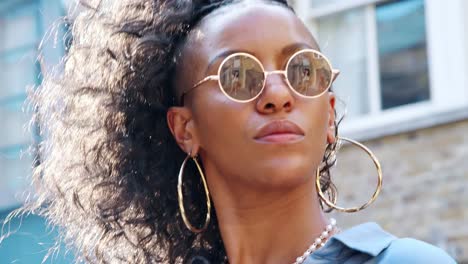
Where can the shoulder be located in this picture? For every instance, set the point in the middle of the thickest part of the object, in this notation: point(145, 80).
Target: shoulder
point(409, 250)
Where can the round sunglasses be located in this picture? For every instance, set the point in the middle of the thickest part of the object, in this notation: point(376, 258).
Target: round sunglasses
point(242, 78)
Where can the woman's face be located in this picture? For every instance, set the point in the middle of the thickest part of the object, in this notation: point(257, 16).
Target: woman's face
point(227, 134)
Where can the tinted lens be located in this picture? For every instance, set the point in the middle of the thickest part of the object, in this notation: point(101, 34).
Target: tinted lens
point(309, 73)
point(241, 77)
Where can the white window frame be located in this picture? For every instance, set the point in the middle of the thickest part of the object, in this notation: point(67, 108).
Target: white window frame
point(447, 37)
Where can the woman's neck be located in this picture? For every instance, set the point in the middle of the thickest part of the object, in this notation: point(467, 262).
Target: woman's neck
point(268, 227)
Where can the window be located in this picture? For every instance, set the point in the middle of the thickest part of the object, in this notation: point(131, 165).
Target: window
point(22, 25)
point(396, 31)
point(400, 60)
point(401, 38)
point(19, 31)
point(352, 60)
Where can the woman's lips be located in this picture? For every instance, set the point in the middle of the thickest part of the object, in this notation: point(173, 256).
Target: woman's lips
point(279, 131)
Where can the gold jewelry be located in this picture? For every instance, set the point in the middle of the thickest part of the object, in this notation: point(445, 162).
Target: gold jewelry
point(181, 197)
point(374, 196)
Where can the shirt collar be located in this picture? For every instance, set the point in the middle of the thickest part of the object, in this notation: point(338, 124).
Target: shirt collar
point(368, 238)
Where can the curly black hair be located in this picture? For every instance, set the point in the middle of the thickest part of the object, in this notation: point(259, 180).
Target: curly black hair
point(106, 176)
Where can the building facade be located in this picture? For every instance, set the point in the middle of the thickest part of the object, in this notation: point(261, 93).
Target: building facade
point(403, 91)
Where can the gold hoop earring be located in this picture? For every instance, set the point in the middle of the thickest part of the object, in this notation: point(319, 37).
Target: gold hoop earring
point(181, 197)
point(374, 196)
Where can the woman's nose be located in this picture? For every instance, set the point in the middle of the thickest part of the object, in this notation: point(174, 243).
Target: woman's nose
point(276, 95)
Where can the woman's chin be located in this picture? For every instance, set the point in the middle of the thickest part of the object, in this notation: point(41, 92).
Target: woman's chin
point(285, 175)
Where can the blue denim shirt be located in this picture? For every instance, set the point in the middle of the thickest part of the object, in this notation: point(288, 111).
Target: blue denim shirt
point(368, 243)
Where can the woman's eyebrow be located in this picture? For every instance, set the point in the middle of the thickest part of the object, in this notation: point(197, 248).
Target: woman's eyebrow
point(223, 55)
point(291, 48)
point(287, 50)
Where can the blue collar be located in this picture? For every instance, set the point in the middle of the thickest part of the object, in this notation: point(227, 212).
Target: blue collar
point(368, 238)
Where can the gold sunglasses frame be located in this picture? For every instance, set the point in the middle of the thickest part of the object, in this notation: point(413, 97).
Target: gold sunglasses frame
point(334, 74)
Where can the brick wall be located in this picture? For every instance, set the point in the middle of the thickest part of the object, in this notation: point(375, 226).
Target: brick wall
point(425, 188)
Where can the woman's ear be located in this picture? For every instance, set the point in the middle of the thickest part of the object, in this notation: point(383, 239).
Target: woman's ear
point(181, 124)
point(331, 138)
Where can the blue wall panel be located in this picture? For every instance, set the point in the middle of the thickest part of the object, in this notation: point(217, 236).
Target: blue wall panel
point(29, 242)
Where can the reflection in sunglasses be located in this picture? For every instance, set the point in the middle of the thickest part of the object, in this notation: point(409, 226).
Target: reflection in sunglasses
point(242, 77)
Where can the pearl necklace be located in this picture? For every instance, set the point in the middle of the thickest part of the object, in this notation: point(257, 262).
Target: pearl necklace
point(318, 243)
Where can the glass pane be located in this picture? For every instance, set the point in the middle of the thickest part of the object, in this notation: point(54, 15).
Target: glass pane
point(18, 38)
point(15, 122)
point(17, 73)
point(342, 38)
point(401, 34)
point(31, 242)
point(320, 3)
point(18, 28)
point(13, 172)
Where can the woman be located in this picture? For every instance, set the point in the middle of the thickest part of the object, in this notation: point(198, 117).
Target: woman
point(141, 116)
